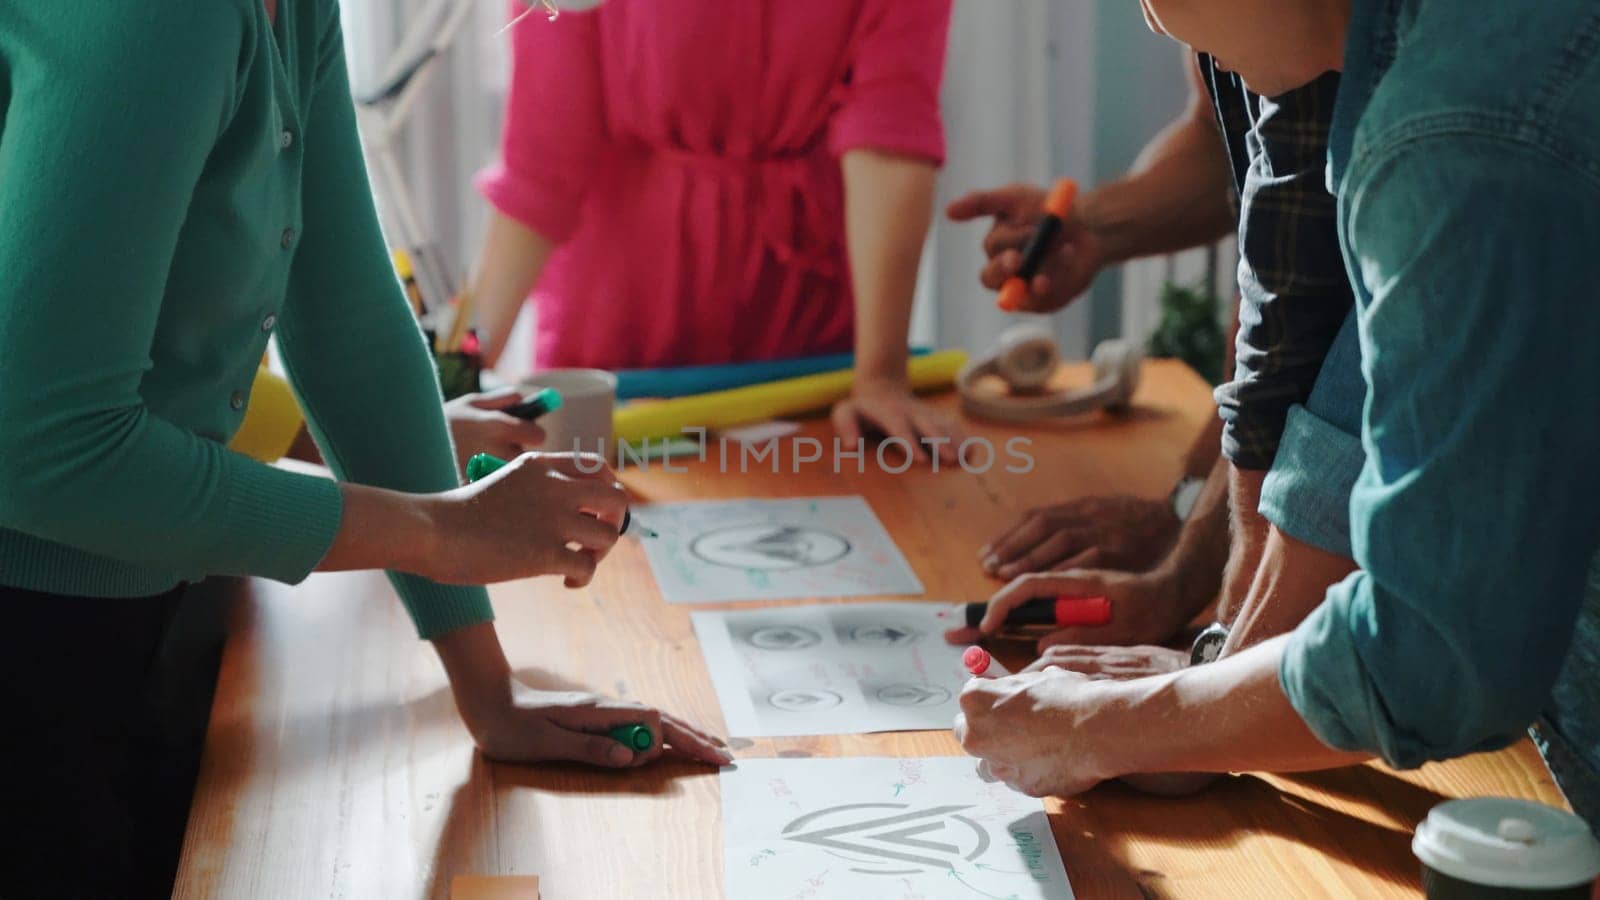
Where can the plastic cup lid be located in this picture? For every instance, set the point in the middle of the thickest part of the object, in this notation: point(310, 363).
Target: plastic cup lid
point(1501, 842)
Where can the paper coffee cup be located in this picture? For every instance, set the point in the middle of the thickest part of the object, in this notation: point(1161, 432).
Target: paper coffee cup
point(1496, 848)
point(583, 423)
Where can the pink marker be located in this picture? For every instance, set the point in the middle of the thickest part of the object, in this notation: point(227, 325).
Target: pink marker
point(981, 664)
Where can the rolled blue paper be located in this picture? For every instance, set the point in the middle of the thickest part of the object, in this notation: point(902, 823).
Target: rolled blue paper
point(686, 380)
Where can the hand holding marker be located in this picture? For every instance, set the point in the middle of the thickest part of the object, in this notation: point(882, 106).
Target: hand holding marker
point(982, 665)
point(1063, 611)
point(1057, 207)
point(481, 465)
point(635, 736)
point(546, 400)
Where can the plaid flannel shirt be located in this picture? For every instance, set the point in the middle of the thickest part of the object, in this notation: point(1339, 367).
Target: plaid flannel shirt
point(1294, 292)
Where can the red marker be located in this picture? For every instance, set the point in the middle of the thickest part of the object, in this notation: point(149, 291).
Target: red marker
point(1061, 612)
point(980, 663)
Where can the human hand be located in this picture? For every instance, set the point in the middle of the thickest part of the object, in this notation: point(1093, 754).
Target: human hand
point(534, 726)
point(890, 408)
point(1038, 732)
point(1146, 608)
point(540, 514)
point(1068, 268)
point(479, 426)
point(1115, 663)
point(1115, 532)
point(513, 722)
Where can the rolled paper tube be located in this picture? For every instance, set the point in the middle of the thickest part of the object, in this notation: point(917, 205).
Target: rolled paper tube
point(636, 423)
point(681, 381)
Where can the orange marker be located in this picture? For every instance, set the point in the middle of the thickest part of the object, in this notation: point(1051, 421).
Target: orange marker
point(1057, 207)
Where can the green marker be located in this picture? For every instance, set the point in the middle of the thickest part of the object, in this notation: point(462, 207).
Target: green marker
point(482, 465)
point(545, 400)
point(635, 737)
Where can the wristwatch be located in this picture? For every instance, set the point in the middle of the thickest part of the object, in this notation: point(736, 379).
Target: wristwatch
point(1185, 495)
point(1208, 645)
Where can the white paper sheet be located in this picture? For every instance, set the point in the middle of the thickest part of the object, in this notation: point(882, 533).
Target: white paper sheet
point(847, 829)
point(834, 668)
point(711, 551)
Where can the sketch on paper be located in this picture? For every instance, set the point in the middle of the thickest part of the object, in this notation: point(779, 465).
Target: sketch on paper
point(832, 668)
point(875, 827)
point(711, 551)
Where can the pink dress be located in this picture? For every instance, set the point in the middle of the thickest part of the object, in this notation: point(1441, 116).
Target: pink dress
point(684, 155)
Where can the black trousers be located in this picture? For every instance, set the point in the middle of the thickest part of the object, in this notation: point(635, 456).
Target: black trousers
point(101, 722)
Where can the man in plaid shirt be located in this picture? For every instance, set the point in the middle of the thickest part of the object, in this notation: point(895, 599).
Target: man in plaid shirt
point(1164, 560)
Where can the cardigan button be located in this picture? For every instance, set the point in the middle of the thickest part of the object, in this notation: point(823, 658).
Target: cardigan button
point(237, 400)
point(286, 140)
point(268, 322)
point(286, 240)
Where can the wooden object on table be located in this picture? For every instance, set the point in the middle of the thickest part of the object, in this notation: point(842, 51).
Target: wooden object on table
point(494, 887)
point(336, 766)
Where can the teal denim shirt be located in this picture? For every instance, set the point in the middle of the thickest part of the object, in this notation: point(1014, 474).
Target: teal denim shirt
point(1465, 155)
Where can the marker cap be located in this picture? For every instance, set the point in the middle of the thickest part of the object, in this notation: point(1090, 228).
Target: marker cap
point(976, 659)
point(543, 402)
point(1012, 294)
point(635, 737)
point(1074, 611)
point(1058, 202)
point(482, 465)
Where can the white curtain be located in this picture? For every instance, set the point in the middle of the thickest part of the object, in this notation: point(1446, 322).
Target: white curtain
point(1004, 98)
point(1032, 90)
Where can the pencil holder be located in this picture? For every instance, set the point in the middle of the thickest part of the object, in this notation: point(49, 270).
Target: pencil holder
point(458, 369)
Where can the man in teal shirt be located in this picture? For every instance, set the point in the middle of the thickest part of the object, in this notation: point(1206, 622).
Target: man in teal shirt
point(1464, 157)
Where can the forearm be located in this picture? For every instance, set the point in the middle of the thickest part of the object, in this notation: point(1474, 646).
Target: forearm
point(512, 259)
point(475, 663)
point(1291, 580)
point(1175, 197)
point(380, 529)
point(888, 207)
point(365, 379)
point(1228, 716)
point(1201, 458)
point(1247, 538)
point(1195, 564)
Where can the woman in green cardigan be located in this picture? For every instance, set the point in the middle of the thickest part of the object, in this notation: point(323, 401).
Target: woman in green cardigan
point(179, 181)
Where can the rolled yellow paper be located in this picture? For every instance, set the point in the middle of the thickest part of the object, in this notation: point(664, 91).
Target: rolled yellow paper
point(639, 422)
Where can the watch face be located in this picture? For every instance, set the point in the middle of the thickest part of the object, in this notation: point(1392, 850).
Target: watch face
point(1185, 495)
point(1208, 646)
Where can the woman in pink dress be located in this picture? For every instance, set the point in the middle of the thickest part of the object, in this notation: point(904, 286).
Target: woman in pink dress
point(685, 182)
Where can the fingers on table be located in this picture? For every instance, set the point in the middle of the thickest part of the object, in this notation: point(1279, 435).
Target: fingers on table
point(688, 741)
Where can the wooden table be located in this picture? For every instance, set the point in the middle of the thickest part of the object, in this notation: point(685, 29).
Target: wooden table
point(335, 765)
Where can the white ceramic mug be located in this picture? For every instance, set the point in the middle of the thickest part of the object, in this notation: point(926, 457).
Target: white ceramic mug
point(583, 423)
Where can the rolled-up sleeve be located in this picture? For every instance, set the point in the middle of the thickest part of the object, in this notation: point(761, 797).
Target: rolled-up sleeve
point(554, 124)
point(1307, 491)
point(1475, 514)
point(891, 99)
point(1293, 288)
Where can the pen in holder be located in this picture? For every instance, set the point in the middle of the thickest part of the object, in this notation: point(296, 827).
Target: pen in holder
point(459, 368)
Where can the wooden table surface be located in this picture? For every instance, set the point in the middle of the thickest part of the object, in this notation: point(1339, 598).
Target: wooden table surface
point(335, 765)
